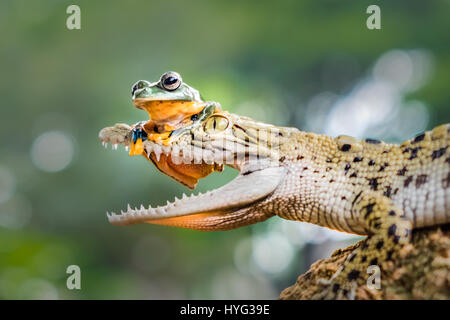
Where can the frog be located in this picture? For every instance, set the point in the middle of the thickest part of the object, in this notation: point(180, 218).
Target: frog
point(171, 105)
point(174, 108)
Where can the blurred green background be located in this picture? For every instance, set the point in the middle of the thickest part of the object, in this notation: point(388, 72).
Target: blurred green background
point(309, 64)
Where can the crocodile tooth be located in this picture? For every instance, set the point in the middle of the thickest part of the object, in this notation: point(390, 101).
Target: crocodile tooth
point(157, 154)
point(166, 150)
point(129, 208)
point(184, 196)
point(114, 146)
point(197, 158)
point(160, 211)
point(126, 148)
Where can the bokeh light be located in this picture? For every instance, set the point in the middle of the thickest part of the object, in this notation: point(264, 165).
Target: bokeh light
point(272, 252)
point(52, 151)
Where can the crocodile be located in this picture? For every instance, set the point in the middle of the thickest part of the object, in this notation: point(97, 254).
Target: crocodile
point(364, 187)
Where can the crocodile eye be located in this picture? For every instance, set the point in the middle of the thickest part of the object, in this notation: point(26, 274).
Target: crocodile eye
point(170, 81)
point(216, 124)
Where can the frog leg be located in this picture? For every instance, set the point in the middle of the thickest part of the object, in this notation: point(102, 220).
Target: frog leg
point(389, 231)
point(197, 119)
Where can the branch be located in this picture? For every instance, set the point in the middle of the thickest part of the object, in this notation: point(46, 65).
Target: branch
point(421, 272)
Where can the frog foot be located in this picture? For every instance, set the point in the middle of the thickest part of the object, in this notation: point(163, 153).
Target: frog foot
point(138, 136)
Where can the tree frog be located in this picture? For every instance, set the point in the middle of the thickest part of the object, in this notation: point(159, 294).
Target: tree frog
point(172, 105)
point(174, 108)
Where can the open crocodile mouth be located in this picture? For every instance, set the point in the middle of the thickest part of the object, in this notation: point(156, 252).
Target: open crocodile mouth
point(218, 209)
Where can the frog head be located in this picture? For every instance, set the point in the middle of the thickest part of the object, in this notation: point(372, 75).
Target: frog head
point(167, 101)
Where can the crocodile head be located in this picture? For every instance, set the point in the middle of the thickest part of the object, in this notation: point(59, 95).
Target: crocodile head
point(249, 146)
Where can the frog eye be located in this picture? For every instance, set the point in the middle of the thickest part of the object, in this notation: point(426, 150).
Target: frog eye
point(216, 124)
point(170, 81)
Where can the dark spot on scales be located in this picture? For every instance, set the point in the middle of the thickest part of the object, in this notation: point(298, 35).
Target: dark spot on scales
point(382, 167)
point(388, 191)
point(438, 153)
point(414, 153)
point(357, 159)
point(353, 175)
point(446, 181)
point(421, 179)
point(380, 244)
point(373, 141)
point(373, 183)
point(371, 162)
point(408, 181)
point(389, 254)
point(356, 198)
point(374, 261)
point(347, 167)
point(282, 158)
point(419, 138)
point(300, 157)
point(402, 171)
point(353, 275)
point(391, 230)
point(369, 209)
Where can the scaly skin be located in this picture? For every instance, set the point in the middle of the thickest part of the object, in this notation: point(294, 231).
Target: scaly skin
point(363, 187)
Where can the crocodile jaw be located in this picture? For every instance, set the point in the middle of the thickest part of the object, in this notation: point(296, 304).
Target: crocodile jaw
point(224, 208)
point(212, 210)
